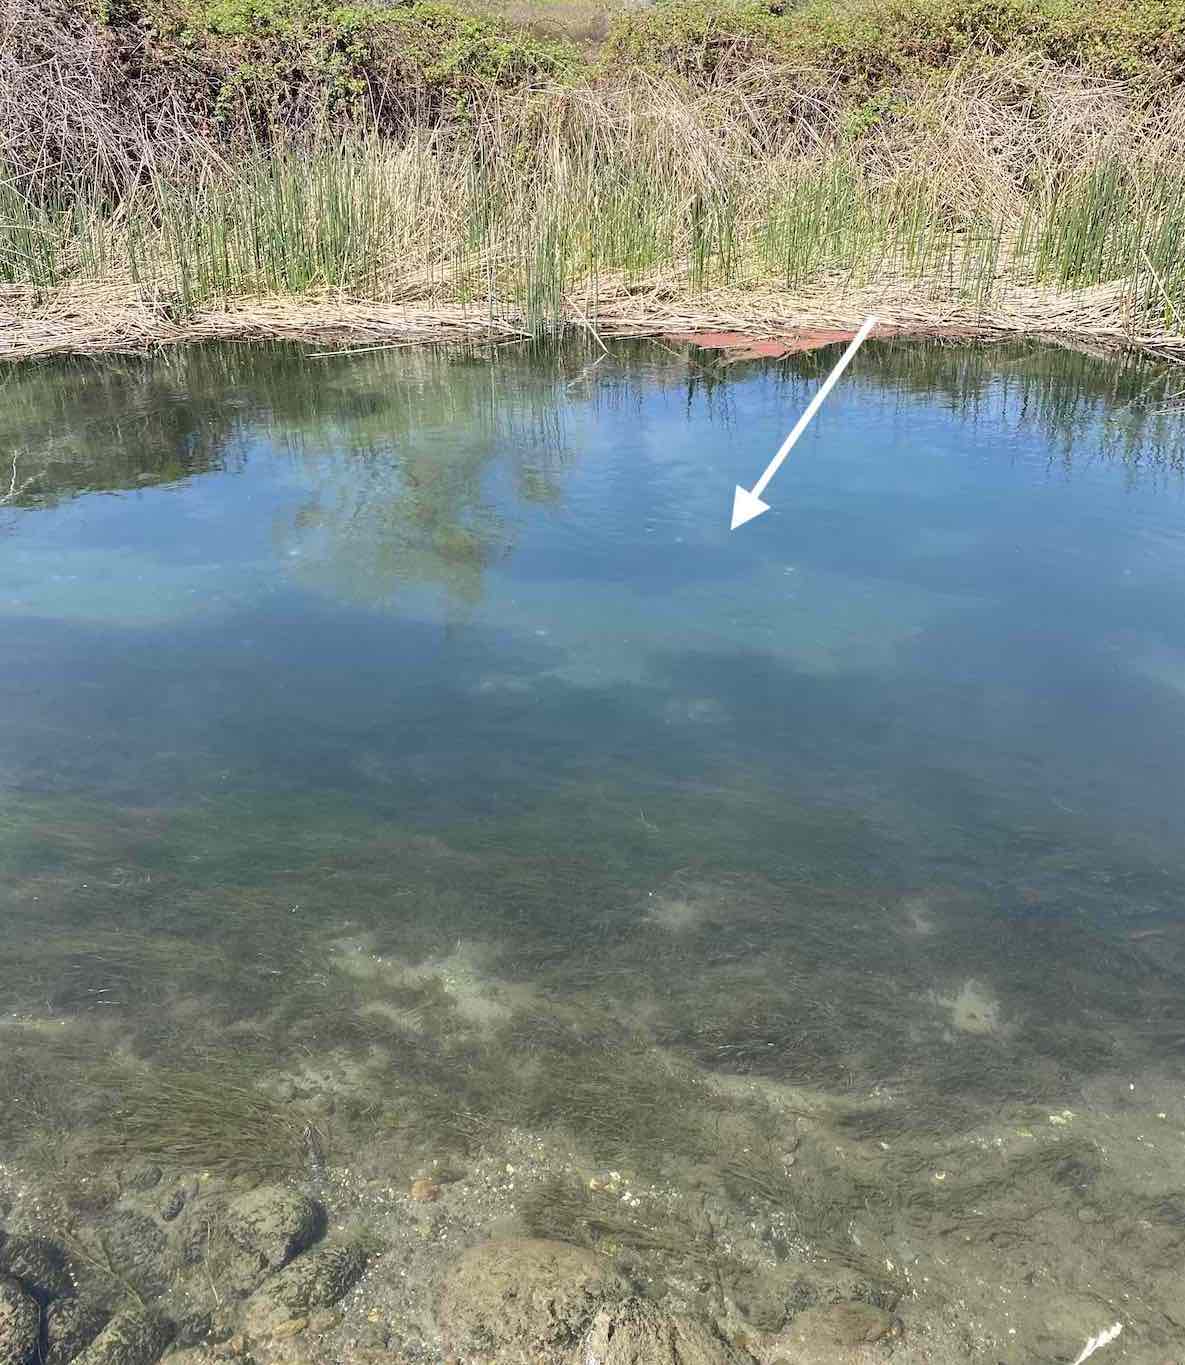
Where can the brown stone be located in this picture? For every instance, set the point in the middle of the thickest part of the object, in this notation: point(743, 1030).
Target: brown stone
point(19, 1316)
point(841, 1324)
point(640, 1333)
point(525, 1297)
point(318, 1279)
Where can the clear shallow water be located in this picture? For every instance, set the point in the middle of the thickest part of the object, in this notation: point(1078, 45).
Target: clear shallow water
point(409, 738)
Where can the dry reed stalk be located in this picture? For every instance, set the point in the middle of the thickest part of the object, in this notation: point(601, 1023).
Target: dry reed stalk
point(83, 321)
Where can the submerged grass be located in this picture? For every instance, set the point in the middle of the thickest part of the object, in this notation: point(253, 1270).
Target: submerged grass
point(567, 1211)
point(210, 1119)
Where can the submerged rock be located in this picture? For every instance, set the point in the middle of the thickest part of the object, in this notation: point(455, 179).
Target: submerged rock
point(70, 1327)
point(273, 1224)
point(176, 1199)
point(136, 1248)
point(315, 1280)
point(193, 1322)
point(129, 1339)
point(19, 1322)
point(39, 1264)
point(640, 1333)
point(765, 1300)
point(525, 1297)
point(814, 1334)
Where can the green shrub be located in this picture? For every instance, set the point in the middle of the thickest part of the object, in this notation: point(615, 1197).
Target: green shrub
point(1115, 38)
point(879, 41)
point(698, 39)
point(287, 63)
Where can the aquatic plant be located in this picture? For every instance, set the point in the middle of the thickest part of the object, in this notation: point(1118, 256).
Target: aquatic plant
point(569, 1212)
point(215, 1119)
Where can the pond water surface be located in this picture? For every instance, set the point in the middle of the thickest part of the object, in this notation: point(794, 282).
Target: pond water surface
point(405, 772)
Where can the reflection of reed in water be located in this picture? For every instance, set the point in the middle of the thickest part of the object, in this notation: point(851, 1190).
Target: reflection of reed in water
point(423, 431)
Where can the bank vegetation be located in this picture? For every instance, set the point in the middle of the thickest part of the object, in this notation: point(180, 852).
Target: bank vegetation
point(176, 168)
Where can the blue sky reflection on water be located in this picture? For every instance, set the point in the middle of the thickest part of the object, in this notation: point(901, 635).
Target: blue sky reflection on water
point(934, 577)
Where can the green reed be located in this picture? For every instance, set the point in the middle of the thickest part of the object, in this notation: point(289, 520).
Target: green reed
point(1114, 221)
point(527, 228)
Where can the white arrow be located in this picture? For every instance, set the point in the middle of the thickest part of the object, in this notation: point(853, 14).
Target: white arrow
point(747, 504)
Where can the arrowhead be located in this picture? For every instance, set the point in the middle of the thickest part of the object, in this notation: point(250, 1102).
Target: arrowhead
point(745, 506)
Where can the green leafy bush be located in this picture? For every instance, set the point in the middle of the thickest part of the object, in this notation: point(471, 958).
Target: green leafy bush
point(878, 41)
point(699, 39)
point(286, 63)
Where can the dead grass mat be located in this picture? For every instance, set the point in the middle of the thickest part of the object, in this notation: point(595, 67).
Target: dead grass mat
point(98, 319)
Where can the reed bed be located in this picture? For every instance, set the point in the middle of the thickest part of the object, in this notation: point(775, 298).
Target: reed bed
point(639, 207)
